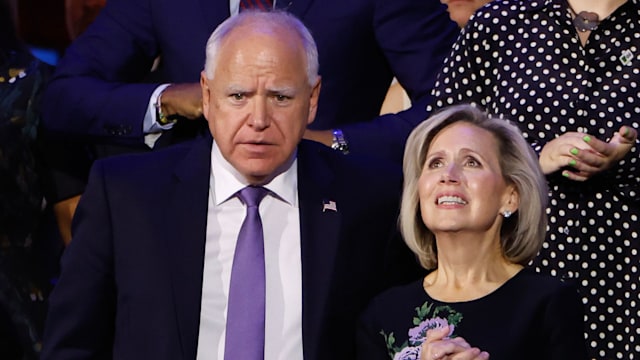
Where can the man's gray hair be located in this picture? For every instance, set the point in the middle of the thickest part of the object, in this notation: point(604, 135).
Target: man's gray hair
point(269, 20)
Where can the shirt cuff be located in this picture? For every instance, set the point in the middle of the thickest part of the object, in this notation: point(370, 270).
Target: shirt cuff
point(150, 124)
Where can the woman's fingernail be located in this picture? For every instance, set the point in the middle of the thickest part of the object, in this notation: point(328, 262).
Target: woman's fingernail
point(626, 130)
point(586, 138)
point(574, 151)
point(573, 162)
point(565, 174)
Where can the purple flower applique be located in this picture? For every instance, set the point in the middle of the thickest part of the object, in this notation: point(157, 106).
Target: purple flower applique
point(427, 317)
point(419, 333)
point(408, 353)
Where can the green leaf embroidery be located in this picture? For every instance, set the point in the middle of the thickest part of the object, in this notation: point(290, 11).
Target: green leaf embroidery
point(425, 312)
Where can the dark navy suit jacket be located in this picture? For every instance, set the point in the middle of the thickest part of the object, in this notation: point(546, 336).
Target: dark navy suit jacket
point(98, 89)
point(131, 279)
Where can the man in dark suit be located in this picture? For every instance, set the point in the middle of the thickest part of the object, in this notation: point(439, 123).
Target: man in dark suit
point(102, 92)
point(149, 272)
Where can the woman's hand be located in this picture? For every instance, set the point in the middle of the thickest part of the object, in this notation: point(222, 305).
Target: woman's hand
point(438, 345)
point(585, 154)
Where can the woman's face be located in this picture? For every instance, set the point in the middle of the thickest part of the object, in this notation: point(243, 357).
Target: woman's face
point(461, 186)
point(461, 10)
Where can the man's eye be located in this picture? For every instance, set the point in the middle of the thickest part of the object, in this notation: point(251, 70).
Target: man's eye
point(237, 96)
point(281, 98)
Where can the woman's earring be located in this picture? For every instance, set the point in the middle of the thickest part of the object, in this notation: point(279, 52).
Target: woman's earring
point(506, 214)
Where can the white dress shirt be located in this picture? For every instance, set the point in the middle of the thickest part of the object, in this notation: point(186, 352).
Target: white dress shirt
point(283, 266)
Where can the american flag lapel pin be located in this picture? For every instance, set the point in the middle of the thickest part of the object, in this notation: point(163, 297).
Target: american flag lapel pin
point(329, 205)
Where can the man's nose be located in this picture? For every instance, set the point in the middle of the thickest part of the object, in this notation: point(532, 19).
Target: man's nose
point(259, 118)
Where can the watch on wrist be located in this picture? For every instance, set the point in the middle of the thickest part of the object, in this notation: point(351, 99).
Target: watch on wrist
point(162, 118)
point(339, 142)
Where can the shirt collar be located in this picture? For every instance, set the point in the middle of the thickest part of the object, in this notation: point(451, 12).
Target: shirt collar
point(226, 181)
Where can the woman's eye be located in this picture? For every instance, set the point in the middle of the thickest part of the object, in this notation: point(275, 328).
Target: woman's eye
point(472, 162)
point(436, 163)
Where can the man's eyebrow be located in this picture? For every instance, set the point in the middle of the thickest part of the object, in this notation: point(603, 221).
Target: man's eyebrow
point(287, 90)
point(235, 89)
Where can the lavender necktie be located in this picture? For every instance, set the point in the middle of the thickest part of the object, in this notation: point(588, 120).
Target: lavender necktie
point(246, 305)
point(256, 4)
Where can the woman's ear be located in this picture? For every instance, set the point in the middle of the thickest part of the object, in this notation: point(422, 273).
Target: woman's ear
point(512, 199)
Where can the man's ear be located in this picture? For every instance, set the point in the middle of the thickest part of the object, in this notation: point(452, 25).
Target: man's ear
point(206, 94)
point(313, 101)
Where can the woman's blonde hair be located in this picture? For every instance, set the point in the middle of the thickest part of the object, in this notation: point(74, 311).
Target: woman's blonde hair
point(522, 234)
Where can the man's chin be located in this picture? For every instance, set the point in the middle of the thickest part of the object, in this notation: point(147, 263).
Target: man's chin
point(259, 173)
point(262, 171)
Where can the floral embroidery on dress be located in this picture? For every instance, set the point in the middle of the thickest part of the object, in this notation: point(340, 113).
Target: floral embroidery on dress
point(428, 317)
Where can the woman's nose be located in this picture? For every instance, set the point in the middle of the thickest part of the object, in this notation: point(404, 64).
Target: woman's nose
point(450, 174)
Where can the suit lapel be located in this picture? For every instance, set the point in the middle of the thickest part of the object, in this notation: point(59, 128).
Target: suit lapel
point(320, 233)
point(185, 236)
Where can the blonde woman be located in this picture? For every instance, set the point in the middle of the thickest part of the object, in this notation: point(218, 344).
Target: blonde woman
point(473, 212)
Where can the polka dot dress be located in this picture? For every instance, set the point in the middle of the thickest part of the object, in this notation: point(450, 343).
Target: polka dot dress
point(523, 60)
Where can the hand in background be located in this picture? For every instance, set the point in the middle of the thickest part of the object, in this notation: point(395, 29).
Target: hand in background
point(438, 345)
point(622, 141)
point(585, 154)
point(183, 99)
point(562, 151)
point(321, 136)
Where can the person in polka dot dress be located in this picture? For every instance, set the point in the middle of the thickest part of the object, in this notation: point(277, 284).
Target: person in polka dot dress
point(572, 84)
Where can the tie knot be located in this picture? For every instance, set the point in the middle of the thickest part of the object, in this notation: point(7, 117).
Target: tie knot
point(252, 195)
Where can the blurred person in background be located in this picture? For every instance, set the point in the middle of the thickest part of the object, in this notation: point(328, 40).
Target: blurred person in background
point(24, 284)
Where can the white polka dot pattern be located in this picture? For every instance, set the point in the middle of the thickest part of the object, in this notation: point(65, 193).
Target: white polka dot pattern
point(523, 60)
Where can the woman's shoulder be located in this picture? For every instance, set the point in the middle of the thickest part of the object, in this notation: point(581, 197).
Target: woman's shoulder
point(397, 295)
point(527, 281)
point(395, 303)
point(501, 12)
point(515, 6)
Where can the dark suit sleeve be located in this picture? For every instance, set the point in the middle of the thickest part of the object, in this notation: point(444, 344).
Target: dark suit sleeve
point(96, 89)
point(564, 324)
point(415, 37)
point(386, 135)
point(82, 305)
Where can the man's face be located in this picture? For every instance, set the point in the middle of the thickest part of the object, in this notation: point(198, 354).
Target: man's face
point(259, 102)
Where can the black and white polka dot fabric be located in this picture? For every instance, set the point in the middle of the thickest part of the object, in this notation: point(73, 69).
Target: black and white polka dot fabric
point(523, 60)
